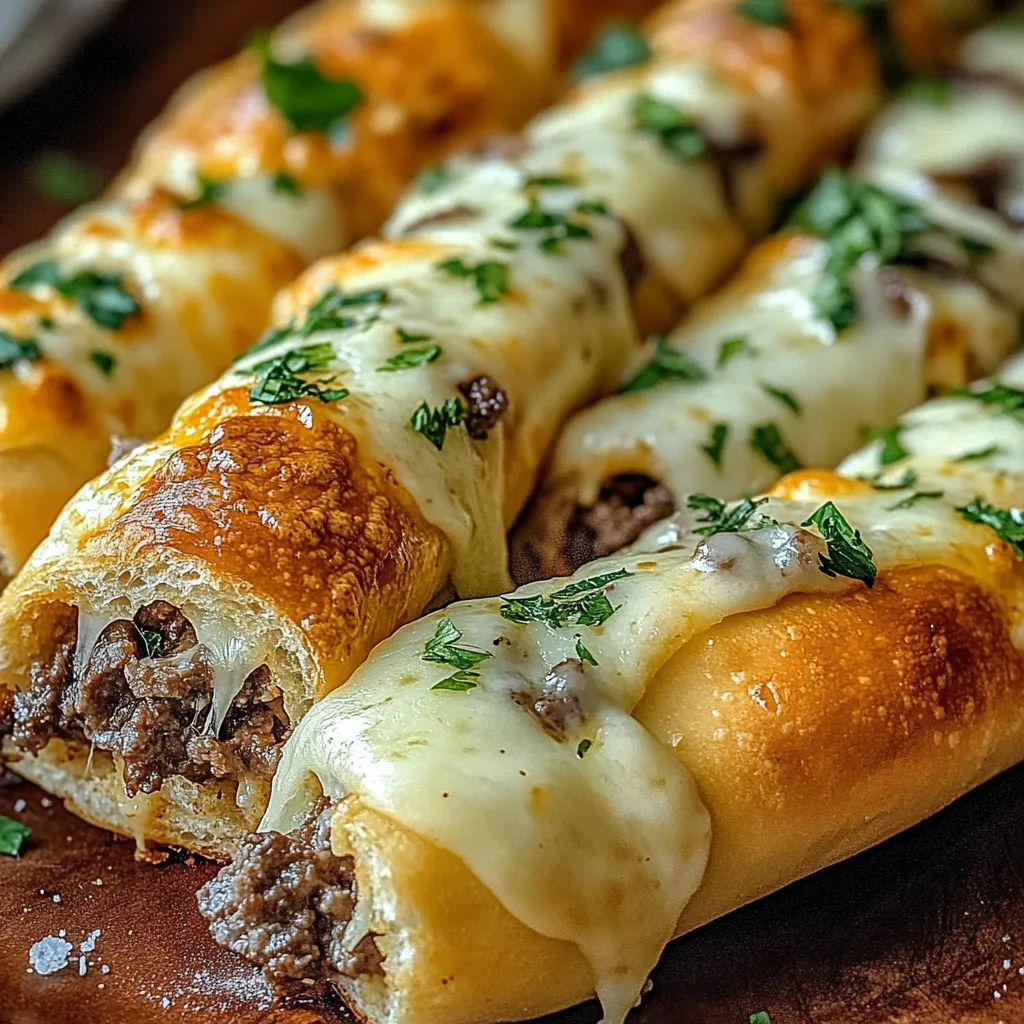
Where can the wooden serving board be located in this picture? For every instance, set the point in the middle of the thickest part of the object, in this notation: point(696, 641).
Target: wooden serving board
point(924, 929)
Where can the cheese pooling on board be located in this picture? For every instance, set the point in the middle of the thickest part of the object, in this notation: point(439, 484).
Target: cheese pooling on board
point(293, 149)
point(367, 455)
point(886, 286)
point(503, 730)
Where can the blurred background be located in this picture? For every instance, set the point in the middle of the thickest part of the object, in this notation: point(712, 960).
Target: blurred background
point(79, 79)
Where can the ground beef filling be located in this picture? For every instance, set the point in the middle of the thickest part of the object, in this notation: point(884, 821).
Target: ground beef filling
point(284, 904)
point(145, 693)
point(627, 505)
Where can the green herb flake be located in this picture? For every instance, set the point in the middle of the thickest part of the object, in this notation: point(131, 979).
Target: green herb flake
point(209, 192)
point(761, 1017)
point(716, 443)
point(892, 449)
point(730, 348)
point(460, 682)
point(616, 46)
point(583, 747)
point(12, 835)
point(667, 364)
point(443, 648)
point(720, 518)
point(583, 603)
point(14, 350)
point(1008, 524)
point(908, 479)
point(677, 132)
point(784, 397)
point(979, 455)
point(285, 184)
point(105, 361)
point(848, 555)
point(929, 89)
point(490, 278)
point(768, 442)
point(434, 424)
point(595, 207)
point(913, 499)
point(548, 181)
point(306, 98)
point(280, 381)
point(1006, 400)
point(432, 179)
point(101, 296)
point(411, 358)
point(408, 338)
point(62, 177)
point(555, 228)
point(582, 653)
point(152, 641)
point(764, 12)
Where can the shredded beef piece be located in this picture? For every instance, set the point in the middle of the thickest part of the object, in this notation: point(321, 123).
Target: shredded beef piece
point(36, 709)
point(486, 404)
point(562, 699)
point(180, 676)
point(176, 633)
point(6, 713)
point(101, 688)
point(284, 902)
point(149, 736)
point(627, 505)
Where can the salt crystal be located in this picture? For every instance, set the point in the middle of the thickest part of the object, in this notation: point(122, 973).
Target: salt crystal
point(1006, 938)
point(49, 955)
point(1006, 965)
point(62, 933)
point(996, 994)
point(82, 968)
point(19, 806)
point(89, 942)
point(56, 897)
point(165, 1002)
point(46, 802)
point(105, 969)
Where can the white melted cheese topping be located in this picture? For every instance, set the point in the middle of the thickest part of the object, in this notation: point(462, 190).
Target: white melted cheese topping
point(552, 834)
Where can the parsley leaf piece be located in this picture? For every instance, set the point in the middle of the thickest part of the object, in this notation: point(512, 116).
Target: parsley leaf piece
point(556, 227)
point(442, 648)
point(848, 555)
point(929, 89)
point(667, 364)
point(434, 424)
point(768, 442)
point(730, 348)
point(719, 518)
point(913, 499)
point(892, 446)
point(582, 603)
point(152, 641)
point(784, 397)
point(411, 357)
point(12, 835)
point(101, 296)
point(408, 338)
point(459, 682)
point(280, 381)
point(306, 98)
point(764, 12)
point(1008, 524)
point(593, 206)
point(209, 192)
point(716, 443)
point(13, 350)
point(979, 454)
point(677, 132)
point(583, 747)
point(908, 479)
point(61, 177)
point(106, 361)
point(490, 277)
point(1009, 401)
point(285, 184)
point(582, 653)
point(616, 46)
point(548, 181)
point(432, 179)
point(761, 1017)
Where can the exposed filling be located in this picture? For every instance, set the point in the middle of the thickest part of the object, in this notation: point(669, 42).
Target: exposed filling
point(145, 692)
point(285, 902)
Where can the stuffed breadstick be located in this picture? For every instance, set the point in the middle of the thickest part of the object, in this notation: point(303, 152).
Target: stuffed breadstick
point(516, 802)
point(365, 458)
point(289, 151)
point(885, 285)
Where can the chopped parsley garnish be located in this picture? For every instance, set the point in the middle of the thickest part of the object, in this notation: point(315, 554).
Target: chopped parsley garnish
point(60, 176)
point(209, 192)
point(584, 746)
point(730, 348)
point(280, 382)
point(1008, 523)
point(458, 682)
point(892, 447)
point(306, 98)
point(848, 555)
point(490, 277)
point(593, 206)
point(434, 424)
point(326, 313)
point(583, 603)
point(719, 518)
point(13, 350)
point(582, 653)
point(433, 179)
point(152, 641)
point(412, 357)
point(979, 454)
point(761, 1017)
point(408, 338)
point(667, 364)
point(908, 479)
point(929, 89)
point(764, 12)
point(12, 835)
point(548, 181)
point(442, 649)
point(1009, 401)
point(768, 442)
point(716, 442)
point(286, 184)
point(911, 500)
point(784, 397)
point(105, 361)
point(101, 296)
point(616, 46)
point(677, 132)
point(556, 228)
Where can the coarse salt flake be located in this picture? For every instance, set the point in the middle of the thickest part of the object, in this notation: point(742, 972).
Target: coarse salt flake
point(49, 955)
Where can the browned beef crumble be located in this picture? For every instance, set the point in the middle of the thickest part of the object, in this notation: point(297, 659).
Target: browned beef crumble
point(283, 903)
point(145, 693)
point(559, 705)
point(486, 403)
